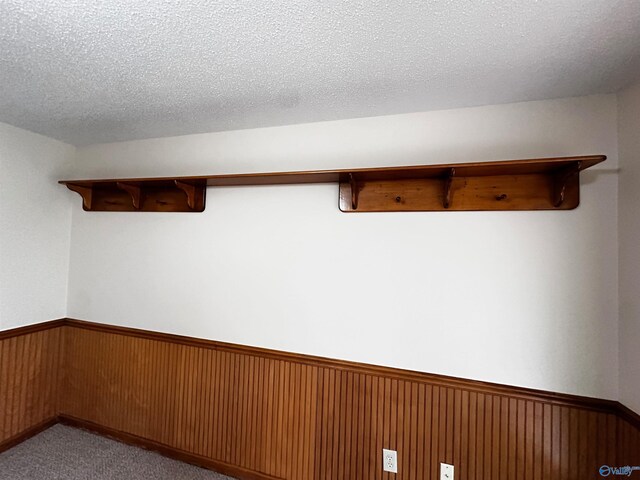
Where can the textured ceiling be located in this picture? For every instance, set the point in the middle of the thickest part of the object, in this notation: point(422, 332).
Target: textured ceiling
point(90, 71)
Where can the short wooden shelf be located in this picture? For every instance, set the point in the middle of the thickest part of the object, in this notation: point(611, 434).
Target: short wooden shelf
point(533, 184)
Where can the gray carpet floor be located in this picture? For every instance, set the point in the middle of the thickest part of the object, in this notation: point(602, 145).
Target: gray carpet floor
point(65, 453)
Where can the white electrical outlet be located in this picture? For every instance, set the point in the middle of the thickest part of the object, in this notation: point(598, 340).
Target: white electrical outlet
point(446, 471)
point(389, 460)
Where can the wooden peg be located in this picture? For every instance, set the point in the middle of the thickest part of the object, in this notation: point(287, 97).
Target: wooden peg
point(354, 191)
point(446, 202)
point(560, 181)
point(134, 190)
point(85, 192)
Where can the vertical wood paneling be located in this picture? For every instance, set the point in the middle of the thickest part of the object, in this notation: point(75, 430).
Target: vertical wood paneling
point(289, 419)
point(628, 441)
point(29, 374)
point(292, 417)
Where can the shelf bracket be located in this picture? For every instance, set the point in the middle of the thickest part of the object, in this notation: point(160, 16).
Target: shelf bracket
point(354, 191)
point(85, 192)
point(560, 181)
point(134, 190)
point(446, 201)
point(190, 191)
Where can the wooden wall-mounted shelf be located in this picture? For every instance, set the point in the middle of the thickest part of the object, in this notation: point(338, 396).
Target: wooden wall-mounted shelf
point(538, 184)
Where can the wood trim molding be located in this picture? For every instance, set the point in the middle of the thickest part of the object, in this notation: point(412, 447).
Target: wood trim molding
point(27, 434)
point(628, 415)
point(36, 327)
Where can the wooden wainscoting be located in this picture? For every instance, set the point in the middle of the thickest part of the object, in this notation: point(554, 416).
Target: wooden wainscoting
point(628, 437)
point(261, 414)
point(30, 361)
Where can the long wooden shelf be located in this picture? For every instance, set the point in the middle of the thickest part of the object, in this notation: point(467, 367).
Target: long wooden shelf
point(532, 184)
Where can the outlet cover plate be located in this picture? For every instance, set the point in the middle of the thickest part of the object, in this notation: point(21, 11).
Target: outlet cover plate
point(389, 460)
point(446, 471)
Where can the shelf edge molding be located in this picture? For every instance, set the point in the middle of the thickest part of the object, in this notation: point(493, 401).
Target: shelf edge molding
point(529, 184)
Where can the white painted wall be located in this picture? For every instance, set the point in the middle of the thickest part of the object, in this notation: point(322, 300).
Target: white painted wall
point(521, 298)
point(629, 206)
point(35, 224)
